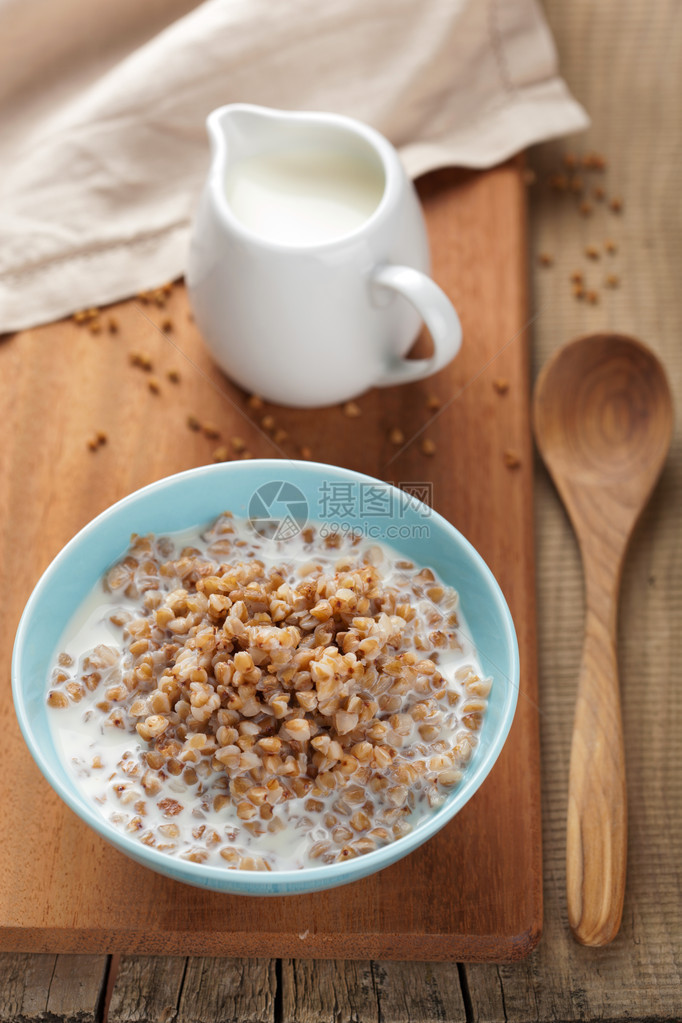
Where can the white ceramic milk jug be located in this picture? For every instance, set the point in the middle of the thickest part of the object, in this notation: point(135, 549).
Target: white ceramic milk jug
point(308, 266)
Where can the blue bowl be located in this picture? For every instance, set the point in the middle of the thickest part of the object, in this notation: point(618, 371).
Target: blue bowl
point(198, 496)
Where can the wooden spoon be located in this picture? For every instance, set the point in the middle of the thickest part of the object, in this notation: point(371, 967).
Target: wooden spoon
point(603, 421)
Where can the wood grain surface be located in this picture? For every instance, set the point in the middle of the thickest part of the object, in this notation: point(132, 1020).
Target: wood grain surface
point(160, 988)
point(603, 419)
point(621, 59)
point(63, 383)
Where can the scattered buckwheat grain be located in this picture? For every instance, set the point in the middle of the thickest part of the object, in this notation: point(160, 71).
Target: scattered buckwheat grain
point(97, 440)
point(558, 182)
point(141, 360)
point(594, 161)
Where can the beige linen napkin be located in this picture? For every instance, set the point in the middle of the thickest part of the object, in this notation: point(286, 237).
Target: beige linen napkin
point(102, 106)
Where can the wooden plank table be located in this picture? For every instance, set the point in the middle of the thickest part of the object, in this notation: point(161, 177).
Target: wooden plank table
point(622, 61)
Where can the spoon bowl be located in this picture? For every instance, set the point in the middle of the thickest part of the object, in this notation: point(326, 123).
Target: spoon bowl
point(603, 418)
point(603, 412)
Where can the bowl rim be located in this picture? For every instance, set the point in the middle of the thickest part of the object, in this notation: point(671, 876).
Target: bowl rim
point(265, 882)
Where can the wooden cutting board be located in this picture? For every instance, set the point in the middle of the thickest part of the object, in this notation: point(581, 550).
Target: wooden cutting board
point(474, 891)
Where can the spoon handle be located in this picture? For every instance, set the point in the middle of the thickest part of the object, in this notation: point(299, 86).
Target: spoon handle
point(596, 835)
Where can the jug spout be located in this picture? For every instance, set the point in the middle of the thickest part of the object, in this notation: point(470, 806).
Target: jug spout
point(241, 130)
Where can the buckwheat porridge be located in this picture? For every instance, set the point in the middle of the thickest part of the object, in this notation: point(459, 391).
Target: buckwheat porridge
point(266, 705)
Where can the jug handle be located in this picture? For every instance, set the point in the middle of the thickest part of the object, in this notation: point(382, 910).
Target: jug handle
point(436, 311)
